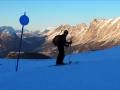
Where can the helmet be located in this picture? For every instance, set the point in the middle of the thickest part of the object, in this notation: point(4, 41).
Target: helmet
point(66, 32)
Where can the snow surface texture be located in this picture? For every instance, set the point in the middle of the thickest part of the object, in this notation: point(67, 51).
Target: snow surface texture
point(98, 70)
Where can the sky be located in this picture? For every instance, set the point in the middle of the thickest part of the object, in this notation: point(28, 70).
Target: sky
point(52, 13)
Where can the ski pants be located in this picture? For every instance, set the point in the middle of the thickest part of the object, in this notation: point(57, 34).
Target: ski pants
point(61, 55)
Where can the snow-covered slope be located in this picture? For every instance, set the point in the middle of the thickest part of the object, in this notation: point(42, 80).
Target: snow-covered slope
point(98, 70)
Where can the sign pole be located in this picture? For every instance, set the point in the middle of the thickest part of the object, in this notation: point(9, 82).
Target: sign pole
point(20, 46)
point(24, 20)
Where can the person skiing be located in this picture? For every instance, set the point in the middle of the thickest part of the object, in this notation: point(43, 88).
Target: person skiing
point(60, 43)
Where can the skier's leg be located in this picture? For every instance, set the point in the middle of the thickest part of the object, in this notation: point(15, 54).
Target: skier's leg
point(60, 57)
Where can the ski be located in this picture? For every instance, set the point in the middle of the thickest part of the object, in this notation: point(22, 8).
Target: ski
point(68, 63)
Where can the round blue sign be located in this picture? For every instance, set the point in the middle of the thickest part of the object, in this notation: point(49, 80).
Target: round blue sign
point(24, 20)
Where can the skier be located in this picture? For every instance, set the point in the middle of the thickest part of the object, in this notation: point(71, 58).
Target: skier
point(60, 42)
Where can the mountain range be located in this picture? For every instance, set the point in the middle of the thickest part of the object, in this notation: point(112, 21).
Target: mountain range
point(10, 40)
point(98, 35)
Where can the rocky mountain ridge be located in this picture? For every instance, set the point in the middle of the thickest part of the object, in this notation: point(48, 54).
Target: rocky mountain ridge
point(100, 34)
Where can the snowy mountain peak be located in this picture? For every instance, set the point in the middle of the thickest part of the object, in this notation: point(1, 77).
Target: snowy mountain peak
point(101, 34)
point(7, 31)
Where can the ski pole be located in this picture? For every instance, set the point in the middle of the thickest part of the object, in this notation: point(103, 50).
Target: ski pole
point(69, 59)
point(70, 52)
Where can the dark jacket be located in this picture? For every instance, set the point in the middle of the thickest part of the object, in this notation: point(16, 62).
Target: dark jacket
point(62, 41)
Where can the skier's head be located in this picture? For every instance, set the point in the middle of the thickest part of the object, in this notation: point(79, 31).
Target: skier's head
point(66, 32)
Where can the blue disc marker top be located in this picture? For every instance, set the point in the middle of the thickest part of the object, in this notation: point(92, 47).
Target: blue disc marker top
point(24, 20)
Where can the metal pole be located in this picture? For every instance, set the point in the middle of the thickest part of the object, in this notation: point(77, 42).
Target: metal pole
point(20, 46)
point(69, 61)
point(70, 52)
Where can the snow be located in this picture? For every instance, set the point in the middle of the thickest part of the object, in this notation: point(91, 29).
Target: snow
point(116, 19)
point(97, 70)
point(106, 22)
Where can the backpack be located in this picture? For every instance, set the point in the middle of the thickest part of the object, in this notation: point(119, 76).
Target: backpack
point(56, 40)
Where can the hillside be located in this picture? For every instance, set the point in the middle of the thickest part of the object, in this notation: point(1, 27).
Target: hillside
point(99, 35)
point(98, 70)
point(10, 39)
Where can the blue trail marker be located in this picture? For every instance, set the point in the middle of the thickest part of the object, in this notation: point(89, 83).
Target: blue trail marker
point(24, 20)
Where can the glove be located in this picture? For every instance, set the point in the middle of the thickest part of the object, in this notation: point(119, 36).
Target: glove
point(70, 42)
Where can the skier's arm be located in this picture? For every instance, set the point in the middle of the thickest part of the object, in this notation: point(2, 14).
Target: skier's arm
point(68, 43)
